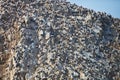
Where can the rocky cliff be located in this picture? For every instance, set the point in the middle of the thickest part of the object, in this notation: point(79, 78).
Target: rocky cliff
point(57, 40)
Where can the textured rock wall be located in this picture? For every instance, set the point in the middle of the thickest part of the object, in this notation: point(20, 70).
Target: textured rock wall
point(56, 40)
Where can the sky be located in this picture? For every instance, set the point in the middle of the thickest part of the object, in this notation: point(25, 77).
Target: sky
point(111, 7)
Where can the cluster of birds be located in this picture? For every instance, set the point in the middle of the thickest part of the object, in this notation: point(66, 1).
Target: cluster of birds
point(54, 39)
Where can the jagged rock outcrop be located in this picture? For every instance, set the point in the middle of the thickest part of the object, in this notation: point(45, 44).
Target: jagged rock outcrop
point(56, 40)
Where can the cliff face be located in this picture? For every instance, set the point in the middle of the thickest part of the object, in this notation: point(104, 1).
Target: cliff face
point(49, 40)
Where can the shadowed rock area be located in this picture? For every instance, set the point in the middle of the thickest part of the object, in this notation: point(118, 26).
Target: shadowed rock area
point(57, 40)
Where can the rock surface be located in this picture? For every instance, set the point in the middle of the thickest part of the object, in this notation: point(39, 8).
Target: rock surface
point(57, 40)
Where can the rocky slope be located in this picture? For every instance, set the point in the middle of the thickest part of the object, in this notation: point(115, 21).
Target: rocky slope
point(56, 40)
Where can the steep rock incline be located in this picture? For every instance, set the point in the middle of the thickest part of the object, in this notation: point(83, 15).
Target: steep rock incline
point(56, 40)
